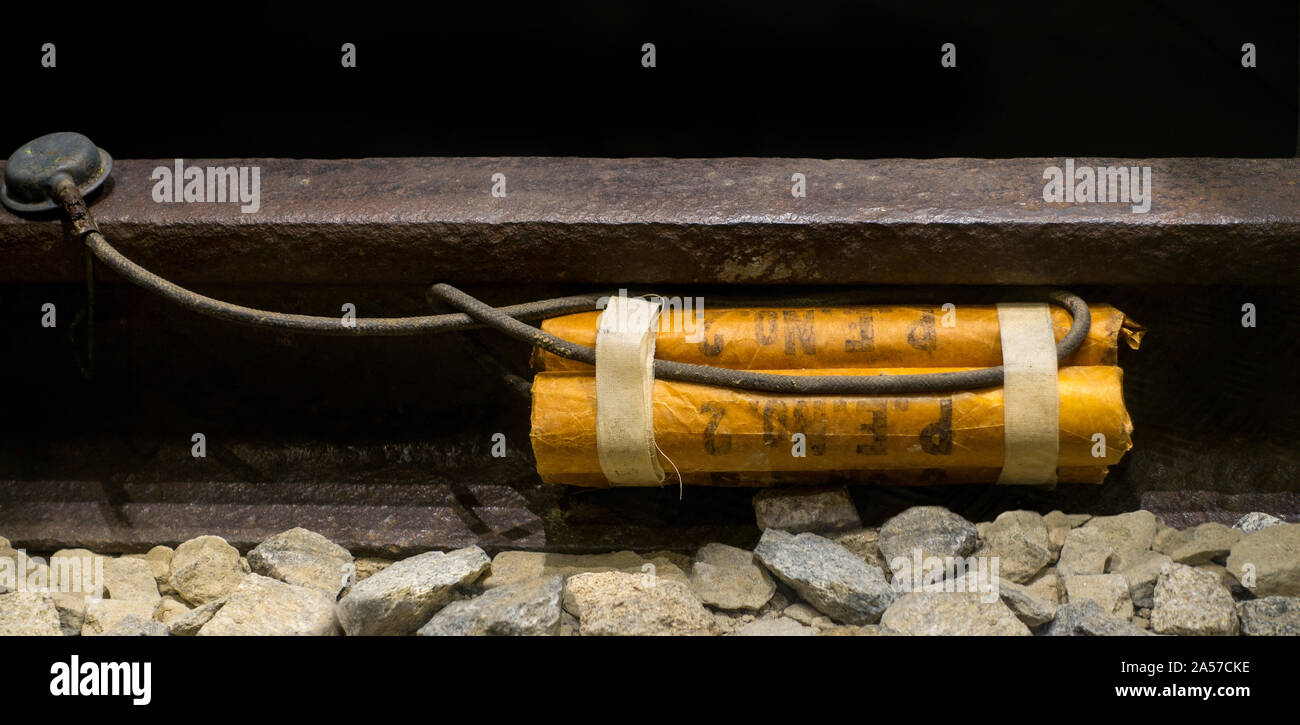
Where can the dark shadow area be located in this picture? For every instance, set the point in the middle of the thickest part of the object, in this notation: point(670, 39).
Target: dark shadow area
point(823, 79)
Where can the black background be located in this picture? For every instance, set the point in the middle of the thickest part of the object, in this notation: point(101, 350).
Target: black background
point(948, 678)
point(800, 78)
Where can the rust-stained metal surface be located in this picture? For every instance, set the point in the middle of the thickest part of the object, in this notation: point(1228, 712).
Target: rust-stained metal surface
point(625, 221)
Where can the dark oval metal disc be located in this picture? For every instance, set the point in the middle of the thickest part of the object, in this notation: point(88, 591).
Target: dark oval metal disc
point(31, 170)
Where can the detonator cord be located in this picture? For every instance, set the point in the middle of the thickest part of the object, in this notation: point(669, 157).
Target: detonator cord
point(508, 320)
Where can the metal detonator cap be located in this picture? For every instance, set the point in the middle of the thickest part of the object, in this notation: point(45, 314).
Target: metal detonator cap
point(34, 169)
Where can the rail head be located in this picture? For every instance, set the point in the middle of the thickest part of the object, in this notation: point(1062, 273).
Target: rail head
point(654, 220)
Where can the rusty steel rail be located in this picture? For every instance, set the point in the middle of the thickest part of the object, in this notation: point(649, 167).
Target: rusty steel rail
point(624, 221)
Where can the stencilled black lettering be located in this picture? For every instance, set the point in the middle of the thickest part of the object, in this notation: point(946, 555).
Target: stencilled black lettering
point(878, 428)
point(711, 349)
point(936, 438)
point(866, 329)
point(810, 419)
point(766, 326)
point(715, 444)
point(922, 334)
point(800, 334)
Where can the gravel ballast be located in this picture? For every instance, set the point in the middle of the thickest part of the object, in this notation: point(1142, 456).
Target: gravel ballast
point(1021, 573)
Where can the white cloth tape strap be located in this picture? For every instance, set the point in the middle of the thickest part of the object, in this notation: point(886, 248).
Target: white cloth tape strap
point(1031, 398)
point(625, 379)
